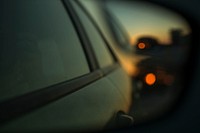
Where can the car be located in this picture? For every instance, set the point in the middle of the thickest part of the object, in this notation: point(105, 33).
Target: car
point(160, 62)
point(60, 70)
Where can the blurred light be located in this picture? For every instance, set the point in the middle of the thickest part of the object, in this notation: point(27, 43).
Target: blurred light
point(150, 78)
point(139, 85)
point(141, 45)
point(131, 69)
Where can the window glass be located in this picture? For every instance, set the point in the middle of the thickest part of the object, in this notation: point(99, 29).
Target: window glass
point(120, 33)
point(102, 52)
point(38, 46)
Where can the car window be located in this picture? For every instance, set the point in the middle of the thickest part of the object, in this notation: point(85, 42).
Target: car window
point(119, 32)
point(102, 52)
point(39, 46)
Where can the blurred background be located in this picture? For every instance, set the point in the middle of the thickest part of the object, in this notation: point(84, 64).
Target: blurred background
point(160, 41)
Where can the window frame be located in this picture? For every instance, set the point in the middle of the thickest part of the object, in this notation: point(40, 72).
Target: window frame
point(83, 34)
point(21, 105)
point(86, 35)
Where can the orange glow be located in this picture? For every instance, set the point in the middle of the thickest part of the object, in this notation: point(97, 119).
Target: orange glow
point(150, 78)
point(133, 40)
point(141, 45)
point(129, 67)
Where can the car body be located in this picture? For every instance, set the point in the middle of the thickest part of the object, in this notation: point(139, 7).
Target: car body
point(60, 70)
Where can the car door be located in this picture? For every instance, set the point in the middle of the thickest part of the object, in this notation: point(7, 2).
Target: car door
point(53, 77)
point(96, 11)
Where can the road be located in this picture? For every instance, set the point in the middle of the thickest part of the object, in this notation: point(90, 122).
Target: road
point(151, 104)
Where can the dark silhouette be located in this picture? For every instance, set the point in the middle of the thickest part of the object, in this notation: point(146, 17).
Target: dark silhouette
point(168, 57)
point(154, 48)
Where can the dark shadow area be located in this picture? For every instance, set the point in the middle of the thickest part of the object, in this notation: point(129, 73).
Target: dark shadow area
point(159, 81)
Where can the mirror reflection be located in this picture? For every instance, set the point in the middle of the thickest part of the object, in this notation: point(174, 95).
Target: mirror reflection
point(88, 65)
point(159, 40)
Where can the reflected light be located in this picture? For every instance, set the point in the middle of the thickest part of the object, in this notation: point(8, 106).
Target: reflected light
point(131, 69)
point(141, 45)
point(150, 78)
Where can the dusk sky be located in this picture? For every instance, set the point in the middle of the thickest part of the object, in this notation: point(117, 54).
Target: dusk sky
point(146, 19)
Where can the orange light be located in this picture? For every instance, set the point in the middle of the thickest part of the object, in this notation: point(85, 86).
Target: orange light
point(141, 45)
point(150, 78)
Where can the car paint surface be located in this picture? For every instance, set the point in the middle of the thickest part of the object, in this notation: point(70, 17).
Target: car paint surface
point(91, 107)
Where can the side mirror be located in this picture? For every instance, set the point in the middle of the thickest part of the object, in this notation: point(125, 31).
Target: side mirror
point(164, 37)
